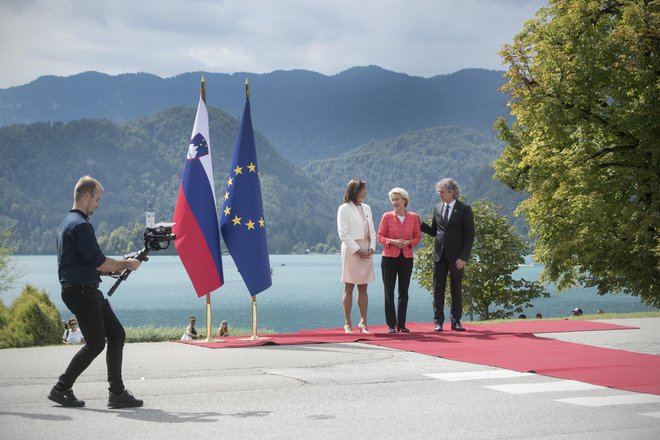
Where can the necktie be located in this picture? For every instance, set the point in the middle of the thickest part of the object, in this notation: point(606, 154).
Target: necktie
point(445, 219)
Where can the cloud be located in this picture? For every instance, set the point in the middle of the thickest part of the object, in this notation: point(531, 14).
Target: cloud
point(418, 37)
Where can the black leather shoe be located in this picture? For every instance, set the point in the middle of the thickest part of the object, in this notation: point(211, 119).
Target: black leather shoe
point(457, 327)
point(65, 398)
point(403, 330)
point(123, 400)
point(391, 330)
point(437, 328)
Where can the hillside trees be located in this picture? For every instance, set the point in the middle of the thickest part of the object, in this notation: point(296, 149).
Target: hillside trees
point(583, 86)
point(8, 272)
point(140, 165)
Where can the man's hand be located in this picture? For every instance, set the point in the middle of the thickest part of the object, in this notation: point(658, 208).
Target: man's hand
point(133, 263)
point(110, 265)
point(460, 264)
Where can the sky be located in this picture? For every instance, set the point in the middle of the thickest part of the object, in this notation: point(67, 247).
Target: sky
point(169, 37)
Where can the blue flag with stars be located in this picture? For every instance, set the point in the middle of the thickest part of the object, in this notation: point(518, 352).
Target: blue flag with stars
point(242, 223)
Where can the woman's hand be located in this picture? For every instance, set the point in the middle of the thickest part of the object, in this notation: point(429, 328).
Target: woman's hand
point(365, 254)
point(400, 243)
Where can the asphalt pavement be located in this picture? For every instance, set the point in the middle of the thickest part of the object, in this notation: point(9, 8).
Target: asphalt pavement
point(323, 391)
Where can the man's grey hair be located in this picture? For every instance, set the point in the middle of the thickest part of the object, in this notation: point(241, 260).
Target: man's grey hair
point(449, 185)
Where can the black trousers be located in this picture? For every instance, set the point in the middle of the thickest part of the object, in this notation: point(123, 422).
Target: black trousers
point(441, 269)
point(97, 322)
point(392, 268)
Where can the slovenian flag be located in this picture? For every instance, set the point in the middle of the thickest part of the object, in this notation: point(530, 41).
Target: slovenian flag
point(243, 224)
point(195, 215)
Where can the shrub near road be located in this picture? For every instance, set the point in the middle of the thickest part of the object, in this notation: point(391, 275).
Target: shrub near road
point(31, 320)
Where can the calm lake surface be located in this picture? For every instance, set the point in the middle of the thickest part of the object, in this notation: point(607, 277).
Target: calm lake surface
point(306, 294)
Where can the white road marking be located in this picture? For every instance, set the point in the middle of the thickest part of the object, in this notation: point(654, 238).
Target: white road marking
point(623, 399)
point(652, 414)
point(544, 387)
point(477, 375)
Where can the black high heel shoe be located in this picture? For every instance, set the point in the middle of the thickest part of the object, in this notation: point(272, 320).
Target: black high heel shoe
point(391, 330)
point(403, 330)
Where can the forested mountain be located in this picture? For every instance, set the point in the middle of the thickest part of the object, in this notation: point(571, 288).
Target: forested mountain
point(305, 115)
point(416, 161)
point(140, 165)
point(315, 132)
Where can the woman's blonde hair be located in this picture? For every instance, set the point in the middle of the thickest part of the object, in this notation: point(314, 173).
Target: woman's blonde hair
point(402, 192)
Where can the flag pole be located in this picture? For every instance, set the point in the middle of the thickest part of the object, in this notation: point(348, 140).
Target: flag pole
point(255, 335)
point(202, 92)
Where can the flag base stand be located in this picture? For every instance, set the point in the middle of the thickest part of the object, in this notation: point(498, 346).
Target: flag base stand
point(255, 336)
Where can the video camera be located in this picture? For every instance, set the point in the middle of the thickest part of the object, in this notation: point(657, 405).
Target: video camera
point(156, 238)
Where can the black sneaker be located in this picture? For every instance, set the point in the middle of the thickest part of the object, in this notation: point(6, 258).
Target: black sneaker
point(123, 400)
point(65, 398)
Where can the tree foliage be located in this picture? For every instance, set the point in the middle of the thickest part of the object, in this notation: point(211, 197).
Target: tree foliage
point(489, 288)
point(583, 86)
point(32, 320)
point(9, 274)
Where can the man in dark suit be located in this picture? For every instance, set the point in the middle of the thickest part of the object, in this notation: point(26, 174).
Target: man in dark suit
point(453, 229)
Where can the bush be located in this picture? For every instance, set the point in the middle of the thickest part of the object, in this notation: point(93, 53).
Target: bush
point(30, 321)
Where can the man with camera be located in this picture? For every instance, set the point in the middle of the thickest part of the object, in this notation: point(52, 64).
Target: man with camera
point(80, 264)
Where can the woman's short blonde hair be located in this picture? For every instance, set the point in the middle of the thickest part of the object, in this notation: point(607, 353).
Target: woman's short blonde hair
point(402, 192)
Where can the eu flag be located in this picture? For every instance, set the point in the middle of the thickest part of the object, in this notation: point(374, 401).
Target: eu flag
point(196, 213)
point(242, 219)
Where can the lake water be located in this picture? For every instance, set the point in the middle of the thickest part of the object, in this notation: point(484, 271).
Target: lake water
point(306, 294)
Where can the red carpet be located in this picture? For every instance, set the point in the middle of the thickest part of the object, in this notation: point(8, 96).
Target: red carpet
point(509, 345)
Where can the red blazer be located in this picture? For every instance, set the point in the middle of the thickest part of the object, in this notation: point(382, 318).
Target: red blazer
point(391, 228)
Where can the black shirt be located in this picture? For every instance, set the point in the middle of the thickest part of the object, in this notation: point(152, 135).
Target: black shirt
point(78, 252)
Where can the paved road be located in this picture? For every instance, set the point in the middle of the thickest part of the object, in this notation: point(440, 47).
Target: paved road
point(325, 391)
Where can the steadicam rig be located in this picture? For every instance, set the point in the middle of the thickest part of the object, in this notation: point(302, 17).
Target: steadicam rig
point(156, 238)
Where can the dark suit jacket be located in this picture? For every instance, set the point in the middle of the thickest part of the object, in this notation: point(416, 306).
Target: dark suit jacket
point(456, 237)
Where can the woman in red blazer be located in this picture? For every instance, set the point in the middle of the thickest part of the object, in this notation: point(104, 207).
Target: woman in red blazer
point(398, 233)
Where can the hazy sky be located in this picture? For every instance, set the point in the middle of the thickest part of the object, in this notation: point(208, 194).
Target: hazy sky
point(169, 37)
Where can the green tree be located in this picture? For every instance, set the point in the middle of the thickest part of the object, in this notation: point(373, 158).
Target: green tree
point(32, 320)
point(583, 86)
point(489, 289)
point(9, 274)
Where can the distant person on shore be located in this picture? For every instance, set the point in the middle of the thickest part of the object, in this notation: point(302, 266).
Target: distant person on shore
point(80, 263)
point(191, 331)
point(223, 330)
point(453, 229)
point(599, 312)
point(72, 334)
point(356, 231)
point(577, 312)
point(539, 316)
point(399, 233)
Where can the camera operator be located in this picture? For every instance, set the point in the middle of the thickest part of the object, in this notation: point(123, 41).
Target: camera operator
point(80, 264)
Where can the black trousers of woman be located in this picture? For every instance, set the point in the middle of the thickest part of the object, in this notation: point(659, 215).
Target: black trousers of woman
point(393, 268)
point(97, 322)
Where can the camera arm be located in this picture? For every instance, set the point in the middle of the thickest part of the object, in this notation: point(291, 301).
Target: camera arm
point(141, 256)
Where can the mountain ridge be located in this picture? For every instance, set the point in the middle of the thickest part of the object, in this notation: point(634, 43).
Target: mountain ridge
point(305, 115)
